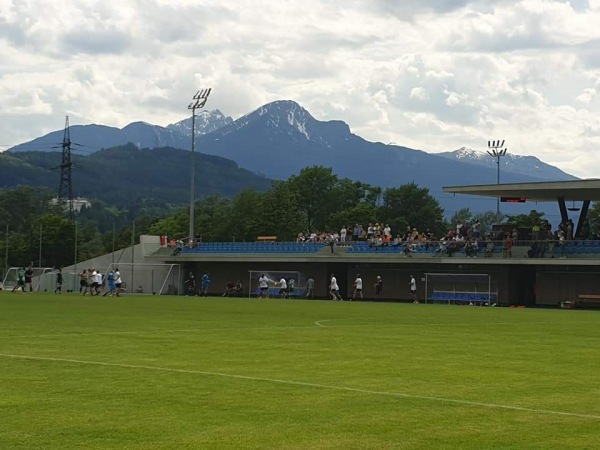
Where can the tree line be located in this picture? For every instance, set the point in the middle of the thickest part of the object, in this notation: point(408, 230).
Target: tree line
point(314, 200)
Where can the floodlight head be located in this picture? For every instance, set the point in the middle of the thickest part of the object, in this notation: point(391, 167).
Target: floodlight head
point(490, 153)
point(503, 151)
point(202, 94)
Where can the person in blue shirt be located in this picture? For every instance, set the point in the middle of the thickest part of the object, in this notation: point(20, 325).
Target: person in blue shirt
point(110, 281)
point(205, 284)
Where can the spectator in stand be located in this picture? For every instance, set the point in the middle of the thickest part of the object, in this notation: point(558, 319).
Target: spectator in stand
point(570, 227)
point(331, 243)
point(508, 243)
point(452, 247)
point(370, 232)
point(476, 230)
point(343, 233)
point(489, 246)
point(355, 233)
point(442, 247)
point(515, 236)
point(387, 232)
point(397, 242)
point(561, 238)
point(470, 249)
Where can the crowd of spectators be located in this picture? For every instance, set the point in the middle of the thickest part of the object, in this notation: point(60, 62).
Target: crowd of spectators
point(466, 238)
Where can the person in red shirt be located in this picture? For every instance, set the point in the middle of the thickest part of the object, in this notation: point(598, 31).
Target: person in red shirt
point(508, 243)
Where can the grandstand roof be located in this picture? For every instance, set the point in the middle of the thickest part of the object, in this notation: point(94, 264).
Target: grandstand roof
point(546, 191)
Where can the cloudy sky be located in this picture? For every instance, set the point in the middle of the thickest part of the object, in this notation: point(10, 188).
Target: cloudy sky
point(430, 74)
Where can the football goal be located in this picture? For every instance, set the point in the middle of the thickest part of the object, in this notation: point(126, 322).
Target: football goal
point(156, 279)
point(460, 288)
point(295, 282)
point(10, 279)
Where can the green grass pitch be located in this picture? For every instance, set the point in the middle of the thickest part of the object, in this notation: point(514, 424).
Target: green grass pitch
point(143, 372)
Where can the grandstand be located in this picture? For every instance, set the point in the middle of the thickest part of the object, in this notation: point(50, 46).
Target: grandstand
point(536, 273)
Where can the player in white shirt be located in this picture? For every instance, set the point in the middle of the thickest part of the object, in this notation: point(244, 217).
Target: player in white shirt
point(358, 287)
point(413, 289)
point(263, 285)
point(118, 283)
point(334, 289)
point(283, 288)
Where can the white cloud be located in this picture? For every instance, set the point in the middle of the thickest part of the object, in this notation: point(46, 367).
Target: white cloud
point(419, 93)
point(587, 96)
point(430, 74)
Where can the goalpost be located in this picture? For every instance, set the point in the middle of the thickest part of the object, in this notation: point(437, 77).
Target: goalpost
point(141, 278)
point(274, 276)
point(465, 288)
point(10, 279)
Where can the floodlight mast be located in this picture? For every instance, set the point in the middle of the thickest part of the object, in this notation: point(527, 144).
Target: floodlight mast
point(199, 100)
point(496, 151)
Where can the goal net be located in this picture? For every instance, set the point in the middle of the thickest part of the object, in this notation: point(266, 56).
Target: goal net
point(10, 279)
point(461, 288)
point(156, 279)
point(296, 284)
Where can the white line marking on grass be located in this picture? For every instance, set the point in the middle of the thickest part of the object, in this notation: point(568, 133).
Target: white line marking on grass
point(318, 323)
point(306, 384)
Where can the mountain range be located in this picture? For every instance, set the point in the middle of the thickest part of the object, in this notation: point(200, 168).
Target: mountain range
point(280, 138)
point(126, 175)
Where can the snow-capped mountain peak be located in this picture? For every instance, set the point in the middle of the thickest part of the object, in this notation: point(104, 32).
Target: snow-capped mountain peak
point(526, 165)
point(206, 122)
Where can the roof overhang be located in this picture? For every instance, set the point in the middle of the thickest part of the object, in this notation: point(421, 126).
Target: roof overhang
point(546, 191)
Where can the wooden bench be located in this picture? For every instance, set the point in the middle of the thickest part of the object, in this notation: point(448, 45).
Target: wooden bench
point(266, 239)
point(591, 300)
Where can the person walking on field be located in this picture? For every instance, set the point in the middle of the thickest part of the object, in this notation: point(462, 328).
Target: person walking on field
point(413, 289)
point(378, 287)
point(358, 287)
point(310, 288)
point(20, 280)
point(263, 285)
point(29, 278)
point(205, 284)
point(59, 281)
point(110, 283)
point(334, 289)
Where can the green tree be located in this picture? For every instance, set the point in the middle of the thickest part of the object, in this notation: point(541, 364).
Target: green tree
point(593, 217)
point(213, 218)
point(487, 220)
point(281, 215)
point(315, 191)
point(361, 213)
point(410, 205)
point(461, 216)
point(525, 220)
point(55, 236)
point(246, 214)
